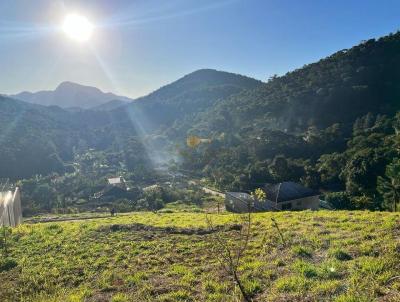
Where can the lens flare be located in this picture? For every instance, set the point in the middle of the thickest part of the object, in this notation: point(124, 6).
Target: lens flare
point(78, 27)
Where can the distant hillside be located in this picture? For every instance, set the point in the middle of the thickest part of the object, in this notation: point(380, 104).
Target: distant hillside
point(249, 121)
point(337, 89)
point(202, 79)
point(332, 125)
point(36, 139)
point(186, 97)
point(69, 94)
point(110, 105)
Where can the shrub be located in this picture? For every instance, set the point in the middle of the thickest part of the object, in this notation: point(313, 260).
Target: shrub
point(339, 200)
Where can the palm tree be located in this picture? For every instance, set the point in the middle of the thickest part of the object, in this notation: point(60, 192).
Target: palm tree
point(389, 186)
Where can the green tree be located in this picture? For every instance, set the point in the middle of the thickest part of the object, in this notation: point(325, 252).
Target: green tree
point(339, 200)
point(259, 194)
point(389, 185)
point(329, 166)
point(279, 168)
point(45, 195)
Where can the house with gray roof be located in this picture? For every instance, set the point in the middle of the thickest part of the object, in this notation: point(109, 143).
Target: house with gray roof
point(283, 196)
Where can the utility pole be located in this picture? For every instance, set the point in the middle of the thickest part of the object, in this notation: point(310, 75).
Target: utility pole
point(4, 240)
point(277, 194)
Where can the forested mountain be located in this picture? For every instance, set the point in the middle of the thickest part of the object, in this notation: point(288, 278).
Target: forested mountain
point(39, 139)
point(331, 125)
point(69, 94)
point(186, 97)
point(337, 89)
point(110, 105)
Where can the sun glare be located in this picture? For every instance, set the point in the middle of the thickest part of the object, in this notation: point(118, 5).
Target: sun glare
point(78, 27)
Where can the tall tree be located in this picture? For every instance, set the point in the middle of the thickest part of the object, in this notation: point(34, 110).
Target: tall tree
point(389, 186)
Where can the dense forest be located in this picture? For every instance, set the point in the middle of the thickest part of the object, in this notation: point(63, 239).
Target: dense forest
point(331, 125)
point(357, 172)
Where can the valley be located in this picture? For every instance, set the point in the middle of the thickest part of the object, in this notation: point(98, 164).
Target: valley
point(252, 133)
point(214, 187)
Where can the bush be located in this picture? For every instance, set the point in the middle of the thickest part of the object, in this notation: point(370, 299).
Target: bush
point(339, 200)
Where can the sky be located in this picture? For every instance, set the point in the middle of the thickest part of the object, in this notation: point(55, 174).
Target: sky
point(138, 46)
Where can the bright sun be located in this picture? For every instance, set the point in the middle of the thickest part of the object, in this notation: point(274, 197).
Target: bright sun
point(78, 27)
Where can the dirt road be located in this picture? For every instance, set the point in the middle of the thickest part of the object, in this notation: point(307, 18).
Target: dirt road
point(207, 190)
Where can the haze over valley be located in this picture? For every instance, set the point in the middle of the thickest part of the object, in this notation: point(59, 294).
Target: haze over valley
point(186, 151)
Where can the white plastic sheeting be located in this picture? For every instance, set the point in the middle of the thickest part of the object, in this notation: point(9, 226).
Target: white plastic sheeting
point(10, 208)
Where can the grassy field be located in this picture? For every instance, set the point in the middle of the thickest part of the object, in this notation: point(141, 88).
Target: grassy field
point(328, 256)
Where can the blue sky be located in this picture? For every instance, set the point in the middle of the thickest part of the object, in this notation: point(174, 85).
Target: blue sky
point(138, 46)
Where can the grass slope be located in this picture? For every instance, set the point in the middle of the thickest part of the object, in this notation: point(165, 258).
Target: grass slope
point(330, 256)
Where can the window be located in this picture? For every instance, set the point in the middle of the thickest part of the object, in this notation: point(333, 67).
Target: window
point(287, 206)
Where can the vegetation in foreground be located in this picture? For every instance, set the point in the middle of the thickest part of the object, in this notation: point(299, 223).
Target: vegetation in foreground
point(327, 256)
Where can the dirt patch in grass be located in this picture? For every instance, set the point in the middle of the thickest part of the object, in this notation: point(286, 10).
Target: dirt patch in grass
point(138, 227)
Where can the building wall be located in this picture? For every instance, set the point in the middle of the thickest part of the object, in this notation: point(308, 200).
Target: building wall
point(6, 219)
point(307, 203)
point(17, 207)
point(10, 208)
point(239, 203)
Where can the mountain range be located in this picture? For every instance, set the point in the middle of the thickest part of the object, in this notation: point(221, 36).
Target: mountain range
point(209, 103)
point(71, 95)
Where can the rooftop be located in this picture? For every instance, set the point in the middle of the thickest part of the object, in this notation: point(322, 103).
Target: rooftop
point(287, 191)
point(115, 181)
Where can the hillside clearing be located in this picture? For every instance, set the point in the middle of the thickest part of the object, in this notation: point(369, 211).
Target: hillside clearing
point(330, 256)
